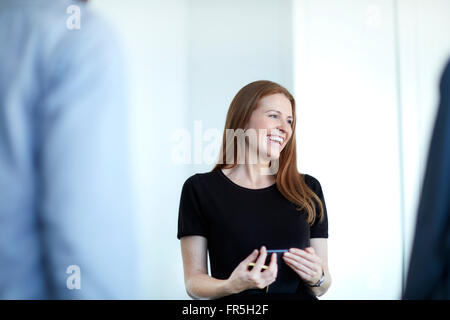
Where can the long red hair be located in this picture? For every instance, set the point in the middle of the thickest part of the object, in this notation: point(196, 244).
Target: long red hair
point(289, 181)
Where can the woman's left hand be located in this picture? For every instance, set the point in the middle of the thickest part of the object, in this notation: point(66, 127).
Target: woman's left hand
point(306, 263)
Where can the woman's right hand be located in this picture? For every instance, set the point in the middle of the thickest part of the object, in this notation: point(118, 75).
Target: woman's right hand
point(242, 278)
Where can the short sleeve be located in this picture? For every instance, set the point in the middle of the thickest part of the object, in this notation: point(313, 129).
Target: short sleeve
point(319, 229)
point(191, 220)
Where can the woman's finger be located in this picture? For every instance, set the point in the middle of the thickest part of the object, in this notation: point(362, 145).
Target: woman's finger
point(299, 262)
point(250, 258)
point(260, 261)
point(273, 261)
point(273, 267)
point(309, 264)
point(299, 266)
point(305, 255)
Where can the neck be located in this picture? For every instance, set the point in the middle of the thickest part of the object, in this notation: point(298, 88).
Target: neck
point(252, 174)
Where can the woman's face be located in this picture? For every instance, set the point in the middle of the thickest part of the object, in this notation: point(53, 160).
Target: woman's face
point(274, 114)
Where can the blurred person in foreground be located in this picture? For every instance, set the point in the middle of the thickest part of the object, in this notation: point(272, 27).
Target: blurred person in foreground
point(65, 207)
point(428, 274)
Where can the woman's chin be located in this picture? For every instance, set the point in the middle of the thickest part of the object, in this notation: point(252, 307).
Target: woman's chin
point(273, 151)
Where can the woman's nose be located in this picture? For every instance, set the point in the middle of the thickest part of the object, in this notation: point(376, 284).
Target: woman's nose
point(284, 128)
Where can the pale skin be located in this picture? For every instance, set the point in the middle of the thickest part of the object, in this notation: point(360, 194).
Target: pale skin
point(274, 114)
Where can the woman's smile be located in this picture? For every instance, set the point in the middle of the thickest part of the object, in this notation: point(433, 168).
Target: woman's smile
point(275, 139)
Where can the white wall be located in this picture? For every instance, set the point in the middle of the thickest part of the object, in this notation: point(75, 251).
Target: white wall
point(348, 137)
point(366, 82)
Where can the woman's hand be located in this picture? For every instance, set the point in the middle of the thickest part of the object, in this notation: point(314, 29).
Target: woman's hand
point(306, 263)
point(242, 278)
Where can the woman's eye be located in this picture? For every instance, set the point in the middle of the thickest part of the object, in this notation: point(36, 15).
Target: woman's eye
point(274, 115)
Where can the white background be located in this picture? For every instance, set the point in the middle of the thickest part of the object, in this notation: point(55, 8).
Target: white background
point(365, 76)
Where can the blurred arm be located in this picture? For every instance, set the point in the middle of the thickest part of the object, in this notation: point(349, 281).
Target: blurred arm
point(84, 198)
point(428, 273)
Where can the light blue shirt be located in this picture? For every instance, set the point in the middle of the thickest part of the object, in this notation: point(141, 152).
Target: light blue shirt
point(64, 170)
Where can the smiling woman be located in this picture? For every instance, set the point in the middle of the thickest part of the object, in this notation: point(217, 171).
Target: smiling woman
point(238, 210)
point(254, 107)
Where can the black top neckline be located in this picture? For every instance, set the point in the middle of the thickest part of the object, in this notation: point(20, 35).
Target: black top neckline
point(244, 188)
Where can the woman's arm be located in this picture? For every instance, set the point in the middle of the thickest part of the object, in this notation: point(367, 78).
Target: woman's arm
point(320, 247)
point(199, 285)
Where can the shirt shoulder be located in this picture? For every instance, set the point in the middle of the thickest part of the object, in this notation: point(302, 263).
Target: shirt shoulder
point(201, 181)
point(193, 210)
point(312, 182)
point(204, 178)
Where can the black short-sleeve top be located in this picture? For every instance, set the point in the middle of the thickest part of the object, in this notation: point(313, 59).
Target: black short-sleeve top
point(236, 220)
